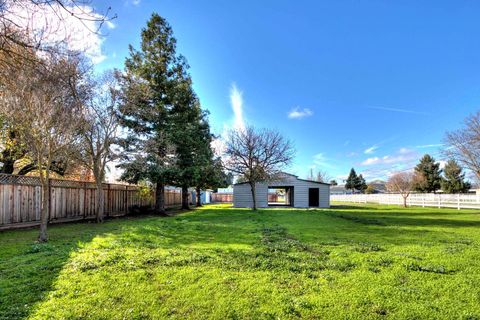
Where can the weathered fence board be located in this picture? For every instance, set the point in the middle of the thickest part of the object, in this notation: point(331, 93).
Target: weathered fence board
point(439, 200)
point(20, 200)
point(222, 197)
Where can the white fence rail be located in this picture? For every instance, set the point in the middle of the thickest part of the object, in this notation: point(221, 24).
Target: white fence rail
point(458, 201)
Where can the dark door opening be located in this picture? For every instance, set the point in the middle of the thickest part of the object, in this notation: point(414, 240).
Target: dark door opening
point(280, 196)
point(313, 197)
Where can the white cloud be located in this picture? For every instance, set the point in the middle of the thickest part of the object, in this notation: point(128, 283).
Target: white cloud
point(399, 110)
point(218, 146)
point(74, 27)
point(405, 151)
point(113, 173)
point(382, 173)
point(442, 164)
point(383, 167)
point(136, 2)
point(377, 145)
point(370, 150)
point(236, 123)
point(433, 145)
point(402, 156)
point(371, 161)
point(296, 113)
point(321, 161)
point(236, 101)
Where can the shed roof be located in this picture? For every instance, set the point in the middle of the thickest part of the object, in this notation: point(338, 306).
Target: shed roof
point(292, 175)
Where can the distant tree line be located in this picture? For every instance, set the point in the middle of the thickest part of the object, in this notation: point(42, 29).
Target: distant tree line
point(426, 177)
point(429, 177)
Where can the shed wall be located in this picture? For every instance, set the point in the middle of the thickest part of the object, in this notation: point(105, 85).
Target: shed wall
point(242, 197)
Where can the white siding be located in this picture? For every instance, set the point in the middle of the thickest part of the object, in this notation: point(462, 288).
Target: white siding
point(242, 195)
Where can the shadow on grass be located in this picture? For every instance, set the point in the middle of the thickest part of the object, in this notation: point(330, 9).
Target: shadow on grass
point(228, 237)
point(239, 228)
point(404, 218)
point(28, 269)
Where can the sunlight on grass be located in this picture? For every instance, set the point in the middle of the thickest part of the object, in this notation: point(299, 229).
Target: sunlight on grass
point(220, 262)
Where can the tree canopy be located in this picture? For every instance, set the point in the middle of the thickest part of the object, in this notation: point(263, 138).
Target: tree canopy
point(149, 92)
point(168, 139)
point(361, 184)
point(257, 155)
point(454, 179)
point(352, 181)
point(429, 173)
point(463, 145)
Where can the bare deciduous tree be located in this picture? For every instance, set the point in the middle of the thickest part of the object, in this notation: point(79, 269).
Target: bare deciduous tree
point(43, 103)
point(402, 183)
point(463, 145)
point(99, 133)
point(257, 155)
point(48, 25)
point(320, 176)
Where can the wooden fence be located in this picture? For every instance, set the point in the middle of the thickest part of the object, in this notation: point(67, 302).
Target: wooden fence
point(440, 200)
point(20, 200)
point(222, 197)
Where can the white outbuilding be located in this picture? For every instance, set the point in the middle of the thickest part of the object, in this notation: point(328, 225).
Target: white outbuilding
point(285, 191)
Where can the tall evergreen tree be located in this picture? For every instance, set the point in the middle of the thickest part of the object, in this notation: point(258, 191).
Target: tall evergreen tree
point(191, 132)
point(212, 176)
point(430, 172)
point(152, 85)
point(352, 181)
point(208, 171)
point(361, 184)
point(454, 180)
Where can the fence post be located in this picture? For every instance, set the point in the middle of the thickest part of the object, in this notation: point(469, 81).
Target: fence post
point(439, 201)
point(49, 183)
point(423, 201)
point(126, 199)
point(85, 200)
point(109, 206)
point(458, 201)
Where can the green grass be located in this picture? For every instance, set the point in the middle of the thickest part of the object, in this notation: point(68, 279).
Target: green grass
point(348, 262)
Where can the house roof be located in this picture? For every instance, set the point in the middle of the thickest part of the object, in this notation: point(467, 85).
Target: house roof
point(292, 175)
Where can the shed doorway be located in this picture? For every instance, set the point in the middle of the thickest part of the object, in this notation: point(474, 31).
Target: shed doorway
point(313, 197)
point(280, 196)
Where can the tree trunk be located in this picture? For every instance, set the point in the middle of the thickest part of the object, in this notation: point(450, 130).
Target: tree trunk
point(199, 199)
point(404, 202)
point(185, 205)
point(160, 198)
point(252, 187)
point(101, 201)
point(45, 210)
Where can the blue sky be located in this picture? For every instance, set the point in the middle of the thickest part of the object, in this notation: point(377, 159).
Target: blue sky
point(366, 84)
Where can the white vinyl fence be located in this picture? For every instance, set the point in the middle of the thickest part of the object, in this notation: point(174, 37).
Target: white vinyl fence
point(458, 201)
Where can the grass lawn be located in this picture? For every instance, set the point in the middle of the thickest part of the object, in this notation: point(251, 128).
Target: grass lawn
point(347, 262)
